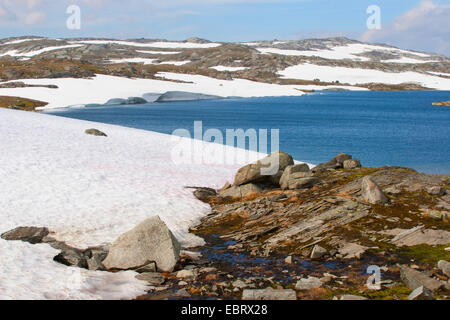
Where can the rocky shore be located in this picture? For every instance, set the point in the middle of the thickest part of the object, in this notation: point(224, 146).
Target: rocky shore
point(297, 233)
point(442, 104)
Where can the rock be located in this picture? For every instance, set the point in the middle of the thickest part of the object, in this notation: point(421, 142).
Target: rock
point(352, 164)
point(261, 171)
point(372, 192)
point(240, 191)
point(303, 183)
point(172, 96)
point(308, 284)
point(352, 250)
point(437, 191)
point(436, 215)
point(269, 294)
point(335, 163)
point(95, 132)
point(421, 293)
point(155, 279)
point(149, 241)
point(414, 279)
point(239, 284)
point(186, 274)
point(31, 235)
point(72, 258)
point(182, 293)
point(318, 252)
point(287, 173)
point(442, 103)
point(444, 266)
point(350, 297)
point(419, 235)
point(288, 260)
point(95, 257)
point(204, 193)
point(149, 268)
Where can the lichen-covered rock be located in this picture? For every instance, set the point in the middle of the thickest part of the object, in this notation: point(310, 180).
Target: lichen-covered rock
point(287, 175)
point(352, 164)
point(149, 241)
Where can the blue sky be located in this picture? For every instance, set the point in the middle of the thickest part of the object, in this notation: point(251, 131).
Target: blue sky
point(413, 24)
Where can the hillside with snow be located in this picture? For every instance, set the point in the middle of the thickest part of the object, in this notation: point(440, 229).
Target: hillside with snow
point(68, 72)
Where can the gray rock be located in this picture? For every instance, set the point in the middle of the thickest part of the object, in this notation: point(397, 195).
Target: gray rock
point(444, 266)
point(372, 192)
point(303, 183)
point(186, 274)
point(204, 193)
point(149, 241)
point(308, 284)
point(72, 258)
point(240, 191)
point(350, 297)
point(31, 235)
point(95, 132)
point(149, 268)
point(342, 157)
point(269, 294)
point(239, 284)
point(153, 278)
point(318, 252)
point(261, 171)
point(352, 251)
point(182, 293)
point(172, 96)
point(289, 171)
point(352, 164)
point(421, 293)
point(414, 279)
point(437, 191)
point(335, 163)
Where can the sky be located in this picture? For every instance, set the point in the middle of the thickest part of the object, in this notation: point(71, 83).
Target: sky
point(410, 24)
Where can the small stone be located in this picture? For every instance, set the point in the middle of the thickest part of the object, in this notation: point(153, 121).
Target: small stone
point(308, 284)
point(350, 297)
point(95, 132)
point(239, 284)
point(269, 294)
point(182, 293)
point(151, 267)
point(444, 266)
point(211, 277)
point(186, 274)
point(372, 192)
point(436, 191)
point(318, 252)
point(182, 283)
point(288, 260)
point(155, 279)
point(421, 293)
point(31, 235)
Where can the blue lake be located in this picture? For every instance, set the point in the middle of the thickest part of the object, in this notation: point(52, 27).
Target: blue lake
point(380, 128)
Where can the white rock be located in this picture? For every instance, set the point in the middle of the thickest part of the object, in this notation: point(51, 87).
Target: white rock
point(308, 284)
point(269, 294)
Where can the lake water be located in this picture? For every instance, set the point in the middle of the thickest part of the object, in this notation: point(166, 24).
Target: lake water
point(380, 128)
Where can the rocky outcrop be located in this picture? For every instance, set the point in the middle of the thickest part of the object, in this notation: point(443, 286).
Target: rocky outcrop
point(442, 103)
point(240, 191)
point(292, 173)
point(372, 192)
point(150, 241)
point(335, 163)
point(352, 164)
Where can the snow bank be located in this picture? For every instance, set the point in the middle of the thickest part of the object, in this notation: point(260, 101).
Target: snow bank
point(357, 76)
point(16, 53)
point(90, 190)
point(98, 89)
point(349, 51)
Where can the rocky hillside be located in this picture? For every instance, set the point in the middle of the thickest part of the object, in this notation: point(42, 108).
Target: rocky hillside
point(314, 64)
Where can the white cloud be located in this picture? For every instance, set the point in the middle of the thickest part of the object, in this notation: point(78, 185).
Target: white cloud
point(21, 11)
point(424, 28)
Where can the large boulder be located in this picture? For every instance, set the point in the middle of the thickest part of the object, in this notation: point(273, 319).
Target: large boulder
point(352, 164)
point(372, 192)
point(414, 279)
point(261, 171)
point(303, 183)
point(290, 170)
point(150, 241)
